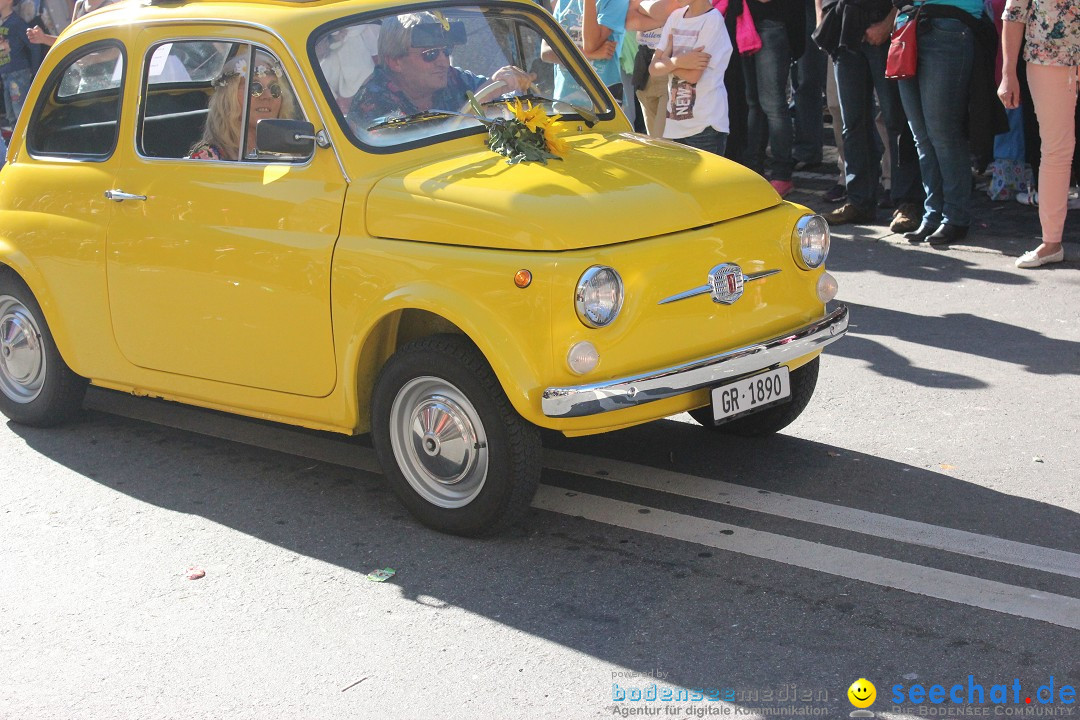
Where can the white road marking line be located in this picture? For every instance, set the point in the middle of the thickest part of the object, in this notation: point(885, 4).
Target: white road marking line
point(912, 532)
point(945, 585)
point(941, 584)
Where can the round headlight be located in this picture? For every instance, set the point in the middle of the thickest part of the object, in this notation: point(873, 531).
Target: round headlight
point(810, 241)
point(599, 296)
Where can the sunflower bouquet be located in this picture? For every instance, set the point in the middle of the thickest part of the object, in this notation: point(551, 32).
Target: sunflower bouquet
point(529, 135)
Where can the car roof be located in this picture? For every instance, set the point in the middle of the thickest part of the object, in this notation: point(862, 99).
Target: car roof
point(292, 19)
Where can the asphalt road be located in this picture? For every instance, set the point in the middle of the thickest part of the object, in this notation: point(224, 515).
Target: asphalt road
point(916, 526)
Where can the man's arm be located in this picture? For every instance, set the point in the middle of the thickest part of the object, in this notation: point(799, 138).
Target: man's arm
point(878, 33)
point(649, 14)
point(593, 34)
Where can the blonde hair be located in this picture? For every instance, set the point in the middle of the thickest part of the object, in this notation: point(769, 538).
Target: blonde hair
point(223, 129)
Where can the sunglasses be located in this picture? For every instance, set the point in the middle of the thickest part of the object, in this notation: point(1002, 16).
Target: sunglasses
point(432, 54)
point(257, 90)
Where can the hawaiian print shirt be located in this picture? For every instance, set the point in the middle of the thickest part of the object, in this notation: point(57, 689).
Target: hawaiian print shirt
point(205, 151)
point(1053, 30)
point(380, 98)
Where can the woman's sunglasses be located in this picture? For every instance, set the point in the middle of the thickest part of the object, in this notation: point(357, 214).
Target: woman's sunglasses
point(257, 90)
point(432, 54)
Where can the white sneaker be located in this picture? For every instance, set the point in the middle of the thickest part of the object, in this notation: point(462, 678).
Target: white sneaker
point(1032, 198)
point(1031, 259)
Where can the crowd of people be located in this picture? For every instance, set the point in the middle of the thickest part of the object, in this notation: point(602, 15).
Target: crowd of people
point(756, 75)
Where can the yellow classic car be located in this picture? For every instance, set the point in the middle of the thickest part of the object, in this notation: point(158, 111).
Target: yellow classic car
point(429, 222)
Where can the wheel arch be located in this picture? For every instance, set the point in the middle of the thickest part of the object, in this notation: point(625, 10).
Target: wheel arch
point(502, 347)
point(29, 276)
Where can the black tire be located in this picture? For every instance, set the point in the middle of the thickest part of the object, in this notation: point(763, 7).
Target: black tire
point(37, 387)
point(770, 420)
point(442, 383)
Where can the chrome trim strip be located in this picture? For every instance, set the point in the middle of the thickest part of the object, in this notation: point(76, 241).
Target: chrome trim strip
point(582, 400)
point(703, 289)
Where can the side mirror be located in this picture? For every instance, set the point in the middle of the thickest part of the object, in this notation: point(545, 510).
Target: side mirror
point(285, 137)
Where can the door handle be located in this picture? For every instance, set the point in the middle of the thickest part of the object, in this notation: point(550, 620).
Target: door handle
point(121, 196)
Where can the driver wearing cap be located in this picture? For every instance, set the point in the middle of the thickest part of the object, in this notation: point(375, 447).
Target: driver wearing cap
point(414, 73)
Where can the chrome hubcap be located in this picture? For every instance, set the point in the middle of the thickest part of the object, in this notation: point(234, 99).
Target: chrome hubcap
point(22, 357)
point(439, 442)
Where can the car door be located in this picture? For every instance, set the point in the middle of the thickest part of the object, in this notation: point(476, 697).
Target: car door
point(219, 267)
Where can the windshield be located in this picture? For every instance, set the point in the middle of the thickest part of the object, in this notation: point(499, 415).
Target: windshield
point(402, 78)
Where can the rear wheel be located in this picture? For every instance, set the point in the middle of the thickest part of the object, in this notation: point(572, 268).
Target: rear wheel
point(36, 386)
point(773, 419)
point(453, 448)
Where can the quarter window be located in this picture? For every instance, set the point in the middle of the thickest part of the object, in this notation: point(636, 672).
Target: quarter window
point(78, 113)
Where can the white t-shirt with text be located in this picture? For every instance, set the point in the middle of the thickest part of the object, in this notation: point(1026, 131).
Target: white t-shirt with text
point(692, 107)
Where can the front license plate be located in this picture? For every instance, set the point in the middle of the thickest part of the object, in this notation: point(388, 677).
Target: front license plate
point(749, 394)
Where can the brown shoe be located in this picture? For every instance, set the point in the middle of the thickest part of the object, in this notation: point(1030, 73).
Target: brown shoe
point(850, 213)
point(906, 218)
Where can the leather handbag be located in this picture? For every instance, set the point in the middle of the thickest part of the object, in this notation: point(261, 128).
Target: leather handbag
point(903, 58)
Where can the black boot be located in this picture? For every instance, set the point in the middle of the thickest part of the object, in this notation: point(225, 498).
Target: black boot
point(948, 234)
point(925, 230)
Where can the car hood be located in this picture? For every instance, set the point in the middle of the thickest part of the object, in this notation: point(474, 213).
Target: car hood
point(607, 189)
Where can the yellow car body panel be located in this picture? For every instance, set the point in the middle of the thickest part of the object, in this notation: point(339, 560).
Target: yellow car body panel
point(206, 295)
point(579, 202)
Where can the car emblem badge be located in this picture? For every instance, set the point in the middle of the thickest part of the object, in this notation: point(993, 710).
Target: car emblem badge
point(726, 282)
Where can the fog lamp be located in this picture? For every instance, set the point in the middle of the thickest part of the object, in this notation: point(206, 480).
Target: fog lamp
point(826, 287)
point(583, 357)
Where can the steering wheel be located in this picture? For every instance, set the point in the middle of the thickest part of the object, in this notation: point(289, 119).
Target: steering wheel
point(481, 92)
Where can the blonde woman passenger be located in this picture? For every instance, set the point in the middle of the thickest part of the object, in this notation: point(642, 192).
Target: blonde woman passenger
point(269, 98)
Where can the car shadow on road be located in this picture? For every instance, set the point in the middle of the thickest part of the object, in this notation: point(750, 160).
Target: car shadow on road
point(862, 251)
point(958, 332)
point(707, 618)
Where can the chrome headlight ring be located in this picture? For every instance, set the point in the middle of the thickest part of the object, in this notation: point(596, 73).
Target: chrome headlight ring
point(598, 297)
point(810, 241)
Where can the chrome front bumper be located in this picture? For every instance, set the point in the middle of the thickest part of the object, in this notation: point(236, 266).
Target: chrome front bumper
point(582, 400)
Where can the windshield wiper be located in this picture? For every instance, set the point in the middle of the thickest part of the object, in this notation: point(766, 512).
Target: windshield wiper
point(422, 116)
point(588, 116)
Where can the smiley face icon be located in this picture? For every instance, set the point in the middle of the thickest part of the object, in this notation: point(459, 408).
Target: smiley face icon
point(862, 693)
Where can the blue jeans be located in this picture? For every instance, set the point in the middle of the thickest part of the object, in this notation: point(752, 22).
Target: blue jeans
point(16, 84)
point(710, 139)
point(935, 101)
point(809, 96)
point(766, 74)
point(858, 75)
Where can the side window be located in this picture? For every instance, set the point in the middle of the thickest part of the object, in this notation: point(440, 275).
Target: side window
point(202, 100)
point(176, 91)
point(78, 110)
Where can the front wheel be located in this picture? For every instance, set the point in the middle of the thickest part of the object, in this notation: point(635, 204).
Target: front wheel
point(453, 448)
point(770, 420)
point(36, 386)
